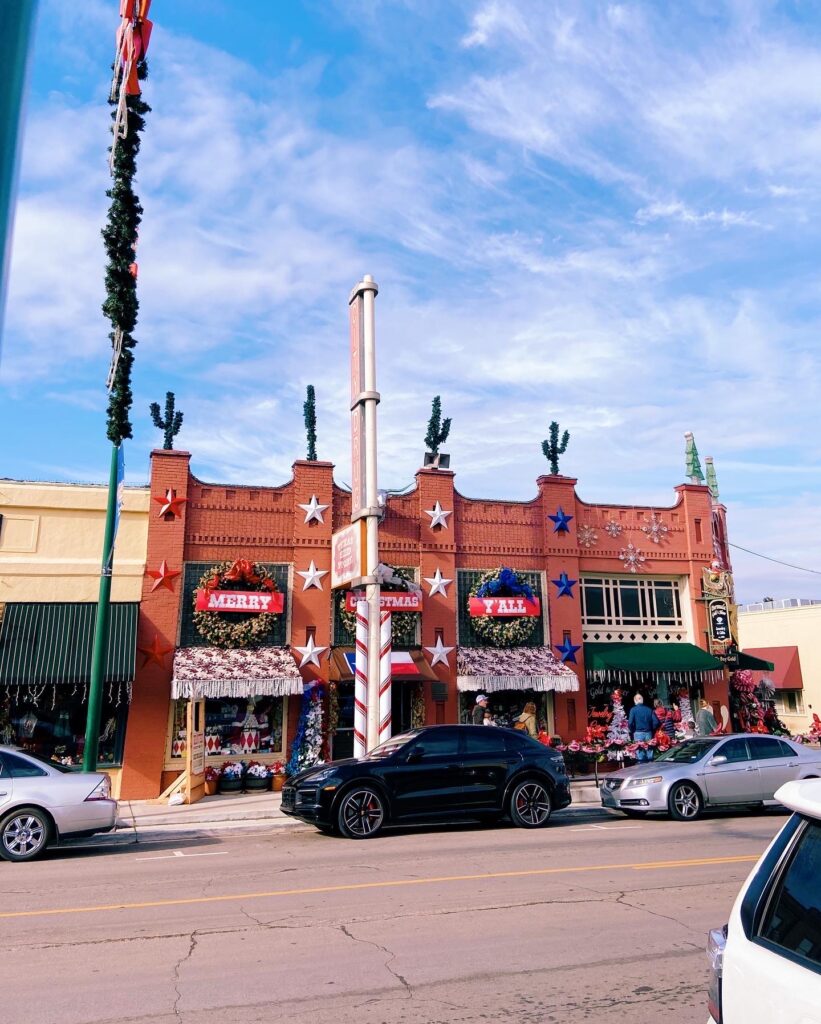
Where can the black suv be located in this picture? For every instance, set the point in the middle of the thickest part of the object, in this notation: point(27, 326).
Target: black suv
point(439, 773)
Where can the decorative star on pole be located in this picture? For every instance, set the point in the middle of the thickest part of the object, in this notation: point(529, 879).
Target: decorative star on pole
point(439, 653)
point(438, 583)
point(312, 576)
point(561, 521)
point(565, 585)
point(154, 652)
point(310, 653)
point(567, 650)
point(163, 577)
point(313, 510)
point(438, 516)
point(170, 504)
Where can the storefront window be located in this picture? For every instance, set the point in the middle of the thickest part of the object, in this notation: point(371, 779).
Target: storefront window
point(234, 726)
point(505, 706)
point(623, 602)
point(53, 727)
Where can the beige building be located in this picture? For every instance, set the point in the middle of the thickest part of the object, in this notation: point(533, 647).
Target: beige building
point(788, 634)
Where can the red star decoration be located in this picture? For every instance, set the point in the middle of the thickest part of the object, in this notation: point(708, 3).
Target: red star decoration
point(163, 577)
point(170, 504)
point(154, 652)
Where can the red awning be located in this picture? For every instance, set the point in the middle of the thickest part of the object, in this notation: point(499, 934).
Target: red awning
point(787, 673)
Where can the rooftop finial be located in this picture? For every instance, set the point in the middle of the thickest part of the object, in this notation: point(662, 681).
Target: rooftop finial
point(692, 462)
point(712, 479)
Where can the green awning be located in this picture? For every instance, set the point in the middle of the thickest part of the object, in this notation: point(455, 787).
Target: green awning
point(51, 643)
point(755, 664)
point(648, 658)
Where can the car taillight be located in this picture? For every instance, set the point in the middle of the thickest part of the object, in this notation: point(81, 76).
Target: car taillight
point(102, 791)
point(716, 943)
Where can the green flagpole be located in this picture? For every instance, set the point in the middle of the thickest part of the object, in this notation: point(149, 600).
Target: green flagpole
point(99, 656)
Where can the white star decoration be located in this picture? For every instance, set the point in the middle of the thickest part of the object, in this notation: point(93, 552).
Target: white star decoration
point(438, 516)
point(439, 653)
point(312, 576)
point(313, 510)
point(438, 583)
point(310, 653)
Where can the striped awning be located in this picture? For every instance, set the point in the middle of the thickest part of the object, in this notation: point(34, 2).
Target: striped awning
point(51, 643)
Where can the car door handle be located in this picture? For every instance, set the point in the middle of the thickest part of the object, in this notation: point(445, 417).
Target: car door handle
point(4, 793)
point(753, 769)
point(470, 771)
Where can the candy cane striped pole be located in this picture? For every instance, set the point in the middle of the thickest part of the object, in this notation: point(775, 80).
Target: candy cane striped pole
point(360, 712)
point(384, 676)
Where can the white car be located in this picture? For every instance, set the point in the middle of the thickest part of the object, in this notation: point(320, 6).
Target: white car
point(41, 803)
point(766, 962)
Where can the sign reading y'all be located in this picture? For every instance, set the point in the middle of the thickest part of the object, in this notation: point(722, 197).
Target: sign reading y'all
point(502, 607)
point(239, 601)
point(389, 601)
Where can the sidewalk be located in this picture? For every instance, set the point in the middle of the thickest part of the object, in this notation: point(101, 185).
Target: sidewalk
point(248, 809)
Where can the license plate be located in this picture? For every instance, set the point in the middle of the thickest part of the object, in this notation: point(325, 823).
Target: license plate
point(287, 798)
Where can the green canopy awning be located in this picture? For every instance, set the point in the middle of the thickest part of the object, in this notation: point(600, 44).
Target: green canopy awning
point(648, 658)
point(51, 643)
point(755, 664)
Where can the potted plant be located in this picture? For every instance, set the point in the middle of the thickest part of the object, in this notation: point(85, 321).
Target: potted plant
point(230, 780)
point(212, 778)
point(278, 775)
point(257, 777)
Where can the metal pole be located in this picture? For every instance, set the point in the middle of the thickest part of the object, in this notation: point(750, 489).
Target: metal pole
point(372, 589)
point(99, 655)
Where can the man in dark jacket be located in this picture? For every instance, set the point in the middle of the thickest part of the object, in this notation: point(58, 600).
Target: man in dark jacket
point(479, 710)
point(642, 722)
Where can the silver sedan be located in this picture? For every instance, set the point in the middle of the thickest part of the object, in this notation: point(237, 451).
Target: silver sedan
point(41, 803)
point(743, 769)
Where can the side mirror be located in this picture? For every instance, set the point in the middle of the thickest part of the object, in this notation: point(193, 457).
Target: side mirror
point(415, 756)
point(717, 760)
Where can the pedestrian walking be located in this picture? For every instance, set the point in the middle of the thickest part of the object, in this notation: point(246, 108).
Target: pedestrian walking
point(642, 723)
point(705, 720)
point(479, 709)
point(527, 720)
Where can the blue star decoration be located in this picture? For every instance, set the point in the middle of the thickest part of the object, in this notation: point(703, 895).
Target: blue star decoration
point(567, 650)
point(560, 521)
point(565, 585)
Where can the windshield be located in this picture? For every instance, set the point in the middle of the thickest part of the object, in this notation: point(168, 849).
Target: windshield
point(688, 752)
point(389, 747)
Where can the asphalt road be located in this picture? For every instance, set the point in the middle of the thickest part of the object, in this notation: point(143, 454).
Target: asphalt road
point(594, 919)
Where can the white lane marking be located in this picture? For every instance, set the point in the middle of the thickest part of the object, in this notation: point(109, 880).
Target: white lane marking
point(604, 828)
point(178, 853)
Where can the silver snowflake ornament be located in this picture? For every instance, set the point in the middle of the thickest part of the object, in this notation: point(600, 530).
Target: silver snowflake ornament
point(612, 528)
point(633, 558)
point(656, 530)
point(587, 536)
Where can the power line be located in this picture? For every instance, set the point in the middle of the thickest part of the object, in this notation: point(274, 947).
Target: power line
point(801, 568)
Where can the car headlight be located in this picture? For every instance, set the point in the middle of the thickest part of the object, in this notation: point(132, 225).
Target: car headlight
point(645, 781)
point(317, 780)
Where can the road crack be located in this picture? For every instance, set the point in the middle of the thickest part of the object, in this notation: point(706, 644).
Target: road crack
point(192, 945)
point(403, 981)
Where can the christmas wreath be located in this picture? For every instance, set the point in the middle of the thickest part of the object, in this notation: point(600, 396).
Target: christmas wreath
point(233, 629)
point(503, 582)
point(403, 624)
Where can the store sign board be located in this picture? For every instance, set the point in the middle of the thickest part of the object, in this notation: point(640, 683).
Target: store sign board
point(388, 601)
point(358, 499)
point(348, 554)
point(240, 601)
point(504, 607)
point(195, 750)
point(721, 635)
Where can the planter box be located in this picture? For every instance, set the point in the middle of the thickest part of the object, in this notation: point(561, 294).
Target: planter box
point(210, 787)
point(230, 785)
point(253, 784)
point(279, 782)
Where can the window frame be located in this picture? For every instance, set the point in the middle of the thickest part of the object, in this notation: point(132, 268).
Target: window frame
point(646, 591)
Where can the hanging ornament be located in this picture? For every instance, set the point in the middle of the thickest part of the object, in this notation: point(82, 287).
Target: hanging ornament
point(313, 510)
point(312, 576)
point(561, 521)
point(438, 583)
point(163, 577)
point(154, 652)
point(170, 505)
point(567, 650)
point(310, 653)
point(587, 536)
point(564, 585)
point(613, 529)
point(439, 653)
point(632, 558)
point(655, 530)
point(438, 516)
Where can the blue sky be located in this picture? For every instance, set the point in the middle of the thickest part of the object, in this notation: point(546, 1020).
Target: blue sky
point(606, 214)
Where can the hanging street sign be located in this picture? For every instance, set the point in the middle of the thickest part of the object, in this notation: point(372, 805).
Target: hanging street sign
point(721, 635)
point(348, 549)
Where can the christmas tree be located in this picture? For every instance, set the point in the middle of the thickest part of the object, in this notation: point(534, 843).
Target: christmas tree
point(618, 730)
point(307, 749)
point(309, 413)
point(686, 707)
point(438, 429)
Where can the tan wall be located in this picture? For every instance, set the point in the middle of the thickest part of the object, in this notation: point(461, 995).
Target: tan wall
point(51, 542)
point(790, 627)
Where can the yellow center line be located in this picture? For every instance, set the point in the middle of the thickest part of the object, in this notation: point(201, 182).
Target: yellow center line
point(395, 883)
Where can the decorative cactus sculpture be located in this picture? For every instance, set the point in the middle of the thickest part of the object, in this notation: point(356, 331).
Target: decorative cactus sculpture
point(438, 429)
point(554, 448)
point(309, 411)
point(172, 422)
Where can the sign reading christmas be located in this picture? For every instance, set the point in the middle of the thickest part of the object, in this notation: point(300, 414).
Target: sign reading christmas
point(239, 601)
point(389, 601)
point(504, 607)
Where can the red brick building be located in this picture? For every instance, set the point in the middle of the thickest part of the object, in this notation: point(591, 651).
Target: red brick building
point(619, 591)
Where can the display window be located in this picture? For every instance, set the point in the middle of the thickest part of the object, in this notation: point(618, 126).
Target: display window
point(234, 727)
point(505, 706)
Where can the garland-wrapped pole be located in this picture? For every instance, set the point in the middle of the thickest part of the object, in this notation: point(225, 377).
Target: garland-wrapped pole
point(121, 308)
point(360, 713)
point(385, 677)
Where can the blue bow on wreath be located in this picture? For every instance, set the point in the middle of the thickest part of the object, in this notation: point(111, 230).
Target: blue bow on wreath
point(507, 585)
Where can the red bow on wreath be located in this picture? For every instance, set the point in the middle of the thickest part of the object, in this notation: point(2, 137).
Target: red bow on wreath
point(242, 571)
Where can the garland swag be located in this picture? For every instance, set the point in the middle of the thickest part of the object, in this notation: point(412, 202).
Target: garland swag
point(503, 582)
